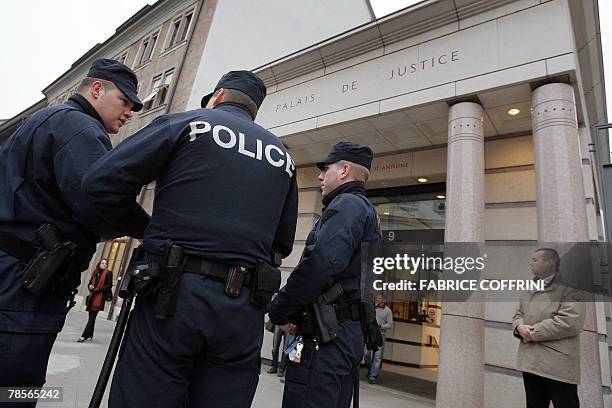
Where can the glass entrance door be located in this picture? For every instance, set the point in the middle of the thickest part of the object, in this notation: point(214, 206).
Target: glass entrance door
point(412, 215)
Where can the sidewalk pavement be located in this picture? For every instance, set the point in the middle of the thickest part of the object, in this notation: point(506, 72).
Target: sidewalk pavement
point(75, 366)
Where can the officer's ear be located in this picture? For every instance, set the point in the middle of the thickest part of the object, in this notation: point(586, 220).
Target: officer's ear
point(97, 89)
point(346, 171)
point(218, 98)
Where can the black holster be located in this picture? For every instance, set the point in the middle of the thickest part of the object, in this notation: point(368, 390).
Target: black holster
point(170, 279)
point(54, 256)
point(325, 318)
point(265, 282)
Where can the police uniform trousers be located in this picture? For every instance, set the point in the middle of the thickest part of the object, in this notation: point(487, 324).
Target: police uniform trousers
point(324, 378)
point(28, 327)
point(207, 354)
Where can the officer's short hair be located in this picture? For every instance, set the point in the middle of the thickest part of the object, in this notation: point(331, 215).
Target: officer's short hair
point(360, 172)
point(233, 95)
point(550, 254)
point(88, 81)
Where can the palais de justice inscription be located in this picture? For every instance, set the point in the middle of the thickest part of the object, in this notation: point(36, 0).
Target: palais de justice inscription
point(401, 71)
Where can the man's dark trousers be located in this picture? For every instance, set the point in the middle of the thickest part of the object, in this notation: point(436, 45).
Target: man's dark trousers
point(207, 354)
point(24, 354)
point(324, 378)
point(540, 391)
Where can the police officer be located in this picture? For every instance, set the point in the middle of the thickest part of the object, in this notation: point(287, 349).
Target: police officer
point(225, 202)
point(41, 168)
point(321, 374)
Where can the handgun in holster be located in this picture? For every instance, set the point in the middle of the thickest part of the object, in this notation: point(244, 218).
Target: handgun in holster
point(325, 314)
point(170, 279)
point(52, 257)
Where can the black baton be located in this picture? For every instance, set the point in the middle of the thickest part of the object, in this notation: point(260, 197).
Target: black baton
point(356, 389)
point(127, 293)
point(111, 354)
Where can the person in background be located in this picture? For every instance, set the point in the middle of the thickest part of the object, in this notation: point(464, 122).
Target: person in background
point(100, 290)
point(431, 316)
point(384, 318)
point(548, 322)
point(279, 344)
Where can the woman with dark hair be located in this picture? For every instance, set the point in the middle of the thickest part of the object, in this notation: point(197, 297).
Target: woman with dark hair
point(100, 290)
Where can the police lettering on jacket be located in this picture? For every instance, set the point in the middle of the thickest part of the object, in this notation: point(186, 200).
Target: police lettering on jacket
point(226, 138)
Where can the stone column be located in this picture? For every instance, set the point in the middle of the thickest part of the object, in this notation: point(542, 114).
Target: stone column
point(461, 369)
point(560, 190)
point(561, 204)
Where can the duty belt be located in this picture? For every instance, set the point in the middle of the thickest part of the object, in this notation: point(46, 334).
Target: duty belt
point(215, 270)
point(17, 248)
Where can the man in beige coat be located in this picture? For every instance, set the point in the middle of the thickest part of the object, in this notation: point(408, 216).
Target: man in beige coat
point(549, 323)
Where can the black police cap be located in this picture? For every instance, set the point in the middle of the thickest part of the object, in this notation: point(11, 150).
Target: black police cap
point(353, 152)
point(120, 75)
point(243, 81)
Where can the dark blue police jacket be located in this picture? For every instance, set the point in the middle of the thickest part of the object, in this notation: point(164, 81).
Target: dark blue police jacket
point(332, 253)
point(41, 169)
point(225, 187)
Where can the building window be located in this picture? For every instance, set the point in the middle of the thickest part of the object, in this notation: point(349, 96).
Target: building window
point(179, 29)
point(160, 86)
point(122, 57)
point(146, 49)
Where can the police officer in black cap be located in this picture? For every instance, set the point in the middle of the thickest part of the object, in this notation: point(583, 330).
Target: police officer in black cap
point(41, 169)
point(225, 204)
point(320, 373)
